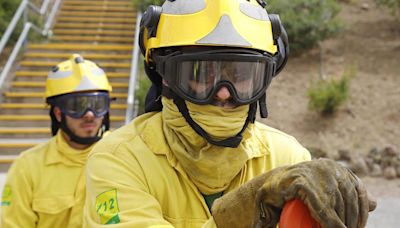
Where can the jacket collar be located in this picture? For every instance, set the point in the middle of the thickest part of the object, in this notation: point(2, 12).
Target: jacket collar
point(59, 152)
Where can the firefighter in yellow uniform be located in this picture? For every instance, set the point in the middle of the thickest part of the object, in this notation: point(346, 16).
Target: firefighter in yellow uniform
point(45, 186)
point(203, 160)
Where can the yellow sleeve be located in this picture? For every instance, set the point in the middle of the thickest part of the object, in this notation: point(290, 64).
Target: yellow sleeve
point(210, 223)
point(16, 205)
point(301, 154)
point(117, 193)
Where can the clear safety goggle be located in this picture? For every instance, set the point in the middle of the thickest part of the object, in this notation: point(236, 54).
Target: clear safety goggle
point(76, 105)
point(198, 76)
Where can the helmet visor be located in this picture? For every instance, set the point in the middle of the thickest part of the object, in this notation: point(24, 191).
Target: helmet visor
point(197, 77)
point(78, 104)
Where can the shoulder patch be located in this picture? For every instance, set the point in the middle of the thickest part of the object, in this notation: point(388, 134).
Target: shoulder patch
point(107, 207)
point(6, 196)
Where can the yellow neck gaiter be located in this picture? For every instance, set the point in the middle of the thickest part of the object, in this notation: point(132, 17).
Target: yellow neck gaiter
point(210, 167)
point(71, 156)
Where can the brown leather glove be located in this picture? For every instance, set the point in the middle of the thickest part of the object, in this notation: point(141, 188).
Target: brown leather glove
point(334, 195)
point(236, 208)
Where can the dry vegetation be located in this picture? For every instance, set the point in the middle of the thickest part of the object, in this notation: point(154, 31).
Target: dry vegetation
point(371, 116)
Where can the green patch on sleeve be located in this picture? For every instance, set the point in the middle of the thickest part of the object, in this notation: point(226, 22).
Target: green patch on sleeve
point(6, 196)
point(107, 207)
point(113, 220)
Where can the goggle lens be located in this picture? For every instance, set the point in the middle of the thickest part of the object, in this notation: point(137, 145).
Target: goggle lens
point(197, 79)
point(77, 105)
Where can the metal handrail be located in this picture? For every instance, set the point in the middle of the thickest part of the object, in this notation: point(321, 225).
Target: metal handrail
point(24, 34)
point(15, 51)
point(131, 110)
point(13, 23)
point(49, 22)
point(45, 4)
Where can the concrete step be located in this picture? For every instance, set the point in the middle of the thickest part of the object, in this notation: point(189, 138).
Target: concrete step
point(93, 32)
point(7, 159)
point(108, 39)
point(79, 47)
point(95, 3)
point(53, 63)
point(10, 148)
point(41, 95)
point(104, 8)
point(105, 20)
point(30, 99)
point(43, 74)
point(43, 84)
point(22, 136)
point(20, 143)
point(97, 14)
point(23, 106)
point(46, 107)
point(41, 90)
point(24, 130)
point(42, 123)
point(64, 55)
point(44, 111)
point(20, 112)
point(128, 27)
point(44, 118)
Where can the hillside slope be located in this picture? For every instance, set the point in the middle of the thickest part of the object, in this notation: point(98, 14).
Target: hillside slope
point(371, 117)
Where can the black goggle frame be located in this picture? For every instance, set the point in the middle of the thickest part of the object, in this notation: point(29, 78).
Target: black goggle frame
point(62, 100)
point(167, 66)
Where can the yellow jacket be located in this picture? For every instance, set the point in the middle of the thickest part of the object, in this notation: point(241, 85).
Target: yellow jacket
point(45, 187)
point(134, 179)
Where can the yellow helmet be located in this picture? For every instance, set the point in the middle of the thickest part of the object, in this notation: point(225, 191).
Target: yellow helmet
point(229, 23)
point(74, 75)
point(199, 46)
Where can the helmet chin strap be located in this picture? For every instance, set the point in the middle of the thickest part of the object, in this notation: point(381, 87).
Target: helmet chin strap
point(77, 139)
point(232, 142)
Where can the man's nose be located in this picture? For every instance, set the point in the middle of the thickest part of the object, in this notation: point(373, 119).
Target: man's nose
point(89, 115)
point(223, 94)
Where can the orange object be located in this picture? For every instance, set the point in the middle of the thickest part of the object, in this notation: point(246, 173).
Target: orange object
point(295, 214)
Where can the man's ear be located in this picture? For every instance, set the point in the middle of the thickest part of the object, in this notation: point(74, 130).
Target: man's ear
point(57, 113)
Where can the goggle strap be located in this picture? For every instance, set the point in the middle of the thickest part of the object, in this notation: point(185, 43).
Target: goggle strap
point(262, 102)
point(54, 123)
point(168, 93)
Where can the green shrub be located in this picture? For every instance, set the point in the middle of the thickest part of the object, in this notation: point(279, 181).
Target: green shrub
point(7, 11)
point(325, 96)
point(307, 21)
point(393, 5)
point(141, 91)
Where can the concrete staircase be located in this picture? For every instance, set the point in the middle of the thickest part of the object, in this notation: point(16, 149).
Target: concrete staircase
point(99, 30)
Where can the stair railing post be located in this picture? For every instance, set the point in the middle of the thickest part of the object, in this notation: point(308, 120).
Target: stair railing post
point(25, 21)
point(43, 9)
point(50, 18)
point(131, 109)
